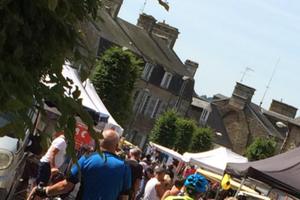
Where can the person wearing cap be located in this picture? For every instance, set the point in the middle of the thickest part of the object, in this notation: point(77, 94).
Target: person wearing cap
point(194, 186)
point(155, 187)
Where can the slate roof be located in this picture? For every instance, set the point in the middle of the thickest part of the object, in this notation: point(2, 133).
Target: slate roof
point(281, 117)
point(264, 120)
point(172, 57)
point(157, 52)
point(150, 47)
point(110, 30)
point(215, 121)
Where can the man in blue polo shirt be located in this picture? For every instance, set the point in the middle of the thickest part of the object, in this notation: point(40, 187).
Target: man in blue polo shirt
point(102, 178)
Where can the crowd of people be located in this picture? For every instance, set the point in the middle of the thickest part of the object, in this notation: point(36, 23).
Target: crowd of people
point(116, 173)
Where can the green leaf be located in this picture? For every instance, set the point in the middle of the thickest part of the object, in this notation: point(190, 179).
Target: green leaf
point(25, 61)
point(52, 4)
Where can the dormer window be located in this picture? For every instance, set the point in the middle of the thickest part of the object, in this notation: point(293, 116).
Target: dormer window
point(166, 80)
point(204, 116)
point(147, 71)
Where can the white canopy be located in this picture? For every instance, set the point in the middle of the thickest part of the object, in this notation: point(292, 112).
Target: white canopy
point(71, 73)
point(167, 151)
point(90, 97)
point(215, 159)
point(90, 89)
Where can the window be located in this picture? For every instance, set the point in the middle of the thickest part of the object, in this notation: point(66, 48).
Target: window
point(147, 71)
point(136, 99)
point(155, 109)
point(166, 80)
point(204, 116)
point(161, 108)
point(145, 104)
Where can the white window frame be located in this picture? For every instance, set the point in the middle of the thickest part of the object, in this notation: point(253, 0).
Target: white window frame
point(204, 116)
point(137, 99)
point(156, 107)
point(145, 104)
point(147, 71)
point(166, 80)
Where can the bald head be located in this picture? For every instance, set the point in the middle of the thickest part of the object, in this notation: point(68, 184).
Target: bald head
point(110, 140)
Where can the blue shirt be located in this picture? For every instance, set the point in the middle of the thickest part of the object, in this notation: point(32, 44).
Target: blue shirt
point(103, 178)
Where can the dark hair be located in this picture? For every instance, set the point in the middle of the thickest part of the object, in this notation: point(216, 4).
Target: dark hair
point(148, 170)
point(179, 183)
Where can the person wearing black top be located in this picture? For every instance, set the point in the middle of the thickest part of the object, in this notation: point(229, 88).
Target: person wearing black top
point(136, 171)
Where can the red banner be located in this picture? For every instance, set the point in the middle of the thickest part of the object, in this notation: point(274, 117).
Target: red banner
point(82, 136)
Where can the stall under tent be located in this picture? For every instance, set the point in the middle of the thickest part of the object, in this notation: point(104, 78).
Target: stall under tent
point(214, 160)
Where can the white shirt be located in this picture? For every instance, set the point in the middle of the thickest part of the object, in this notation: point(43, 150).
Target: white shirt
point(150, 191)
point(60, 144)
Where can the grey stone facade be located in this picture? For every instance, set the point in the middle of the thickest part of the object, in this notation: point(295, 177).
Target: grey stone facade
point(166, 82)
point(238, 121)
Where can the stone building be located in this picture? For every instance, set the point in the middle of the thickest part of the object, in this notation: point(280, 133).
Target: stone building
point(284, 113)
point(166, 82)
point(237, 121)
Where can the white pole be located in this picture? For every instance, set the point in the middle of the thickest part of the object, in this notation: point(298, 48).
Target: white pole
point(239, 189)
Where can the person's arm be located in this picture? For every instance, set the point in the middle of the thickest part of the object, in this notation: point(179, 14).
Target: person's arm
point(137, 182)
point(61, 187)
point(136, 186)
point(124, 197)
point(160, 189)
point(57, 145)
point(166, 194)
point(126, 184)
point(54, 151)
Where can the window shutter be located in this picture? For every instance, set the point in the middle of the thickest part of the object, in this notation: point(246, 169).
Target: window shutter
point(162, 108)
point(149, 109)
point(137, 102)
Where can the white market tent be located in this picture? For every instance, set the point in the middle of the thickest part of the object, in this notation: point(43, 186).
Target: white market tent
point(90, 97)
point(90, 89)
point(167, 151)
point(71, 73)
point(214, 160)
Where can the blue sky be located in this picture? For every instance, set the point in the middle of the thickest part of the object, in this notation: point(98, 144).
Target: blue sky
point(226, 36)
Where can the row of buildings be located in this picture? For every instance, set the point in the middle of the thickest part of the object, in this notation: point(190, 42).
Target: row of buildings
point(167, 82)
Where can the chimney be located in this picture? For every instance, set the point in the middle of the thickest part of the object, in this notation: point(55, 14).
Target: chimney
point(167, 31)
point(241, 96)
point(191, 66)
point(113, 6)
point(146, 22)
point(283, 109)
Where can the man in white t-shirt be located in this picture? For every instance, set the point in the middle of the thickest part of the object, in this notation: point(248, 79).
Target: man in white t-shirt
point(53, 159)
point(155, 188)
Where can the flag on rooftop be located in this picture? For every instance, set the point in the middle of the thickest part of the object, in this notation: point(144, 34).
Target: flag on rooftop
point(164, 3)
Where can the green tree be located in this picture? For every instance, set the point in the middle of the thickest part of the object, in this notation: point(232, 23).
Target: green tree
point(164, 130)
point(184, 132)
point(115, 75)
point(36, 38)
point(261, 148)
point(201, 140)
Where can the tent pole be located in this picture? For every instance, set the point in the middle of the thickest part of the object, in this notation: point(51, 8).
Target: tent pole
point(241, 185)
point(218, 192)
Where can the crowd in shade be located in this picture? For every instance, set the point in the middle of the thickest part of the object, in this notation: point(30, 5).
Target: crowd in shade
point(121, 171)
